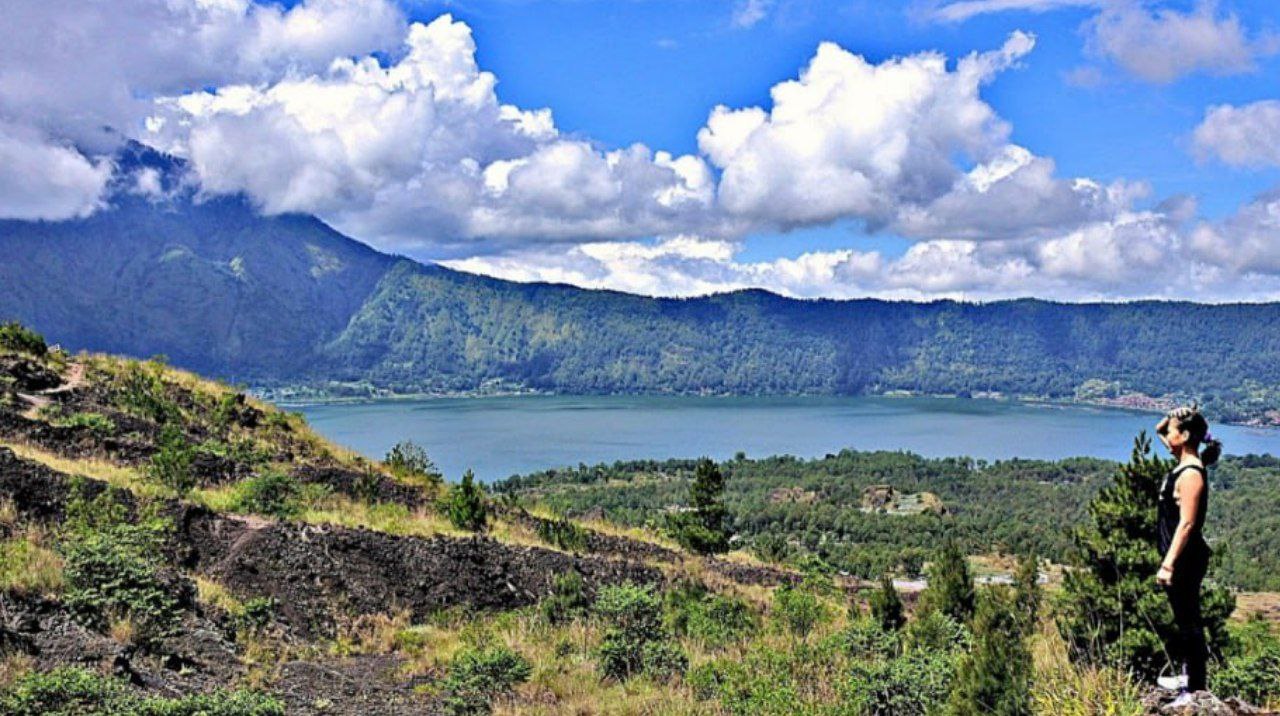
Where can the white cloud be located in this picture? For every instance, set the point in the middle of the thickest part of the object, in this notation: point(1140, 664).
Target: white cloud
point(1245, 136)
point(40, 179)
point(68, 69)
point(422, 150)
point(1148, 38)
point(1247, 243)
point(748, 13)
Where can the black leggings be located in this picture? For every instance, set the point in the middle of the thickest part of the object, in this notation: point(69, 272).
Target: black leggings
point(1184, 597)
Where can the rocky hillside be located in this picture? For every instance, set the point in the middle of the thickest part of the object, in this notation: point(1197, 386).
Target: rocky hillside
point(171, 546)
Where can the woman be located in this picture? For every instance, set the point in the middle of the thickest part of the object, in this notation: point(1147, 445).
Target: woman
point(1184, 497)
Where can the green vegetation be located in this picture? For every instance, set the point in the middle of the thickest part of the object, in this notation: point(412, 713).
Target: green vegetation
point(171, 464)
point(409, 461)
point(16, 338)
point(466, 506)
point(1108, 611)
point(636, 640)
point(703, 529)
point(476, 676)
point(115, 569)
point(950, 589)
point(77, 692)
point(886, 606)
point(268, 493)
point(995, 677)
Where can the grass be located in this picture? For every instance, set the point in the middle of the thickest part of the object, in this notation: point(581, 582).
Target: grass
point(1061, 688)
point(124, 477)
point(29, 567)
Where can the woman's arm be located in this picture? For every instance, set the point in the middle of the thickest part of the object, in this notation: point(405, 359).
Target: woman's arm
point(1162, 427)
point(1190, 485)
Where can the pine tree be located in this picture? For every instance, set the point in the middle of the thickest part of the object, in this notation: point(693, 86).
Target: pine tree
point(1027, 591)
point(1111, 610)
point(704, 530)
point(886, 605)
point(466, 506)
point(995, 677)
point(950, 589)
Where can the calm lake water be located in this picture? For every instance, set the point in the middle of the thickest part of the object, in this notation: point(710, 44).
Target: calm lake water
point(498, 437)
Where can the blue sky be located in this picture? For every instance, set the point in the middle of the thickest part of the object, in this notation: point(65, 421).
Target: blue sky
point(651, 70)
point(1073, 149)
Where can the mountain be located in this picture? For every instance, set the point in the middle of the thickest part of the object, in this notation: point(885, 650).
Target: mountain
point(286, 300)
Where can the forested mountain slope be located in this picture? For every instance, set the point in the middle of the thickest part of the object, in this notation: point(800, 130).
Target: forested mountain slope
point(287, 300)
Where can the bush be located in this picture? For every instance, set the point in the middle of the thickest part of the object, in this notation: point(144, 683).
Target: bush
point(78, 692)
point(16, 338)
point(114, 569)
point(798, 609)
point(629, 646)
point(95, 422)
point(868, 639)
point(1251, 669)
point(476, 676)
point(568, 599)
point(935, 632)
point(409, 461)
point(690, 610)
point(171, 464)
point(913, 685)
point(703, 530)
point(269, 493)
point(466, 506)
point(142, 391)
point(563, 533)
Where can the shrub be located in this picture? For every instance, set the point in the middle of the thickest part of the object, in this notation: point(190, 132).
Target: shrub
point(886, 605)
point(1251, 669)
point(79, 692)
point(798, 609)
point(866, 638)
point(367, 485)
point(466, 506)
point(269, 493)
point(568, 599)
point(714, 619)
point(1110, 610)
point(17, 338)
point(563, 533)
point(171, 464)
point(663, 660)
point(933, 631)
point(96, 422)
point(628, 647)
point(114, 569)
point(1026, 582)
point(409, 461)
point(142, 391)
point(995, 677)
point(912, 685)
point(476, 676)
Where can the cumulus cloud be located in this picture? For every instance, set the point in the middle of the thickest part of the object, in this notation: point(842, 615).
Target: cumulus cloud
point(1150, 39)
point(1245, 136)
point(40, 179)
point(422, 149)
point(68, 69)
point(748, 13)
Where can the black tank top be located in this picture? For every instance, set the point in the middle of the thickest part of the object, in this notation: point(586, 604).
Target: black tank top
point(1169, 515)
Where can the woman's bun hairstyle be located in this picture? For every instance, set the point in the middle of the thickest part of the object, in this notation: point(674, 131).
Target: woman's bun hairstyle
point(1198, 433)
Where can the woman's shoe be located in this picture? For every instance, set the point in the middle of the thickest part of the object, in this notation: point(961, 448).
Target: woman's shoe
point(1184, 700)
point(1172, 683)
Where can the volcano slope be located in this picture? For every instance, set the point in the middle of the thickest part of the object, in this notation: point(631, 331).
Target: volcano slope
point(169, 545)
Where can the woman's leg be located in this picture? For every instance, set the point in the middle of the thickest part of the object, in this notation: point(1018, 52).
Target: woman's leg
point(1184, 597)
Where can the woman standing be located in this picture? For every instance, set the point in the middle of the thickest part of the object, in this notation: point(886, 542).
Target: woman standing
point(1184, 498)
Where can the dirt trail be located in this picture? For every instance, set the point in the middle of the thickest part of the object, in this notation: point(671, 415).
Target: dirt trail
point(36, 401)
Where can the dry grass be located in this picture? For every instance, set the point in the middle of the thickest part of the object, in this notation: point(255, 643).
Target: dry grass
point(390, 518)
point(14, 667)
point(126, 478)
point(29, 566)
point(1061, 688)
point(213, 594)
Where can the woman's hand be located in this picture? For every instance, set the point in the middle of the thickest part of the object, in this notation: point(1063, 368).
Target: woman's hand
point(1164, 577)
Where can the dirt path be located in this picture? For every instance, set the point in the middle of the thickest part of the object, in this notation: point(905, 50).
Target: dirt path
point(37, 401)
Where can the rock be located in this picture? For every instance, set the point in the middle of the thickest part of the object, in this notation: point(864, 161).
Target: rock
point(1159, 701)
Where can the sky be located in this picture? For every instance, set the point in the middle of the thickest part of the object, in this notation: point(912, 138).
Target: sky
point(973, 149)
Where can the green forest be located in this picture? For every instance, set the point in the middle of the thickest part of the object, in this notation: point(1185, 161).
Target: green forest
point(789, 508)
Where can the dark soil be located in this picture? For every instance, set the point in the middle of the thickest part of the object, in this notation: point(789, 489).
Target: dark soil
point(365, 685)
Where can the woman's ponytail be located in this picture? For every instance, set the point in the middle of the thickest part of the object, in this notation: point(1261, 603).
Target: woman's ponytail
point(1210, 450)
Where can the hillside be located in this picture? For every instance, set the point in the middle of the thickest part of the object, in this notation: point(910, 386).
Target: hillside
point(287, 301)
point(171, 546)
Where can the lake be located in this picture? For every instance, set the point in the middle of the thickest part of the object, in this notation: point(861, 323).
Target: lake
point(498, 437)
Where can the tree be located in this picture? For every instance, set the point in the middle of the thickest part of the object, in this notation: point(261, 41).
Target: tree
point(1111, 610)
point(703, 530)
point(1027, 591)
point(950, 589)
point(466, 506)
point(995, 677)
point(409, 461)
point(886, 605)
